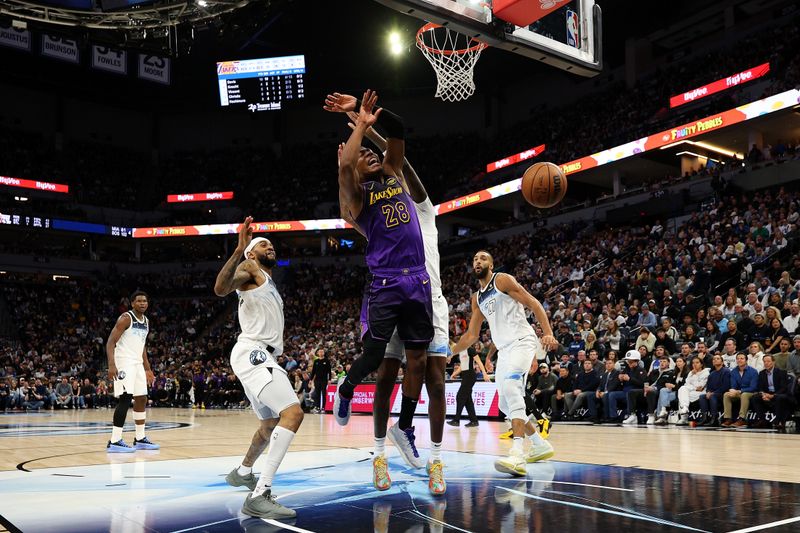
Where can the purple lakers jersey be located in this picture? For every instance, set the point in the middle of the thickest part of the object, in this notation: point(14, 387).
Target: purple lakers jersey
point(389, 221)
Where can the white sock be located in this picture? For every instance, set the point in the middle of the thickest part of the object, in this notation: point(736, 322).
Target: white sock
point(278, 446)
point(516, 448)
point(536, 439)
point(436, 451)
point(137, 416)
point(244, 470)
point(380, 446)
point(116, 434)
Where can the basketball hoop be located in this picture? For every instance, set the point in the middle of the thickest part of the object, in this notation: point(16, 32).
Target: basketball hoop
point(453, 57)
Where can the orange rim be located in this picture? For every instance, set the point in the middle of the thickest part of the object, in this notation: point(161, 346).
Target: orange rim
point(431, 26)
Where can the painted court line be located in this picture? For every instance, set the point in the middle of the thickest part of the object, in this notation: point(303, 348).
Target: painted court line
point(537, 481)
point(204, 525)
point(286, 526)
point(600, 510)
point(767, 526)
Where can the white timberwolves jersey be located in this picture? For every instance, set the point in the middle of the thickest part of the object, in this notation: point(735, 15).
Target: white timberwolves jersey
point(430, 241)
point(505, 315)
point(261, 316)
point(130, 346)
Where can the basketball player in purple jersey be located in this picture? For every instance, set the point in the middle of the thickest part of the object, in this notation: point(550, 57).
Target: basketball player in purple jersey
point(398, 294)
point(437, 351)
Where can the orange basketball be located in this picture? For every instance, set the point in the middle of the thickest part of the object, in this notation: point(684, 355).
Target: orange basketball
point(544, 185)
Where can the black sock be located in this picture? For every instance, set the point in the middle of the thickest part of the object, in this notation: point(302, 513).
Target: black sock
point(365, 365)
point(407, 408)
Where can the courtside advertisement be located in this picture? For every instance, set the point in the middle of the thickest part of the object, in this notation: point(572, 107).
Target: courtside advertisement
point(484, 394)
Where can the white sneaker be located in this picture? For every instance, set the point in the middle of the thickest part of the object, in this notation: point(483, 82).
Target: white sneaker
point(663, 413)
point(651, 419)
point(684, 420)
point(631, 420)
point(513, 464)
point(404, 441)
point(540, 452)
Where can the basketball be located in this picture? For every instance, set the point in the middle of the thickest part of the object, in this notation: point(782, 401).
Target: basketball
point(544, 185)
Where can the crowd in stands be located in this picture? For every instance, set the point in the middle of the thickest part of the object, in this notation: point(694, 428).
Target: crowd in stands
point(292, 184)
point(724, 282)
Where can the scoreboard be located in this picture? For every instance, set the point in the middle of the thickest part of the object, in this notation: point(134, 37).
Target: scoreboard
point(261, 84)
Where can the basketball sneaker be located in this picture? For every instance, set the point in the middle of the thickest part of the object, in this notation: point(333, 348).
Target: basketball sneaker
point(235, 479)
point(513, 464)
point(436, 483)
point(380, 473)
point(540, 452)
point(145, 444)
point(508, 434)
point(341, 406)
point(265, 506)
point(404, 440)
point(544, 427)
point(119, 447)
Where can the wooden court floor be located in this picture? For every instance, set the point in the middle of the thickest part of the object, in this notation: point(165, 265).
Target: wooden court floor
point(77, 438)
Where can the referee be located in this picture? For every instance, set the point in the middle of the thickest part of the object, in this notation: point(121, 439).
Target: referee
point(466, 369)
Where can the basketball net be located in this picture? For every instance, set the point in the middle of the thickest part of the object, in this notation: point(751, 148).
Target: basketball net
point(453, 57)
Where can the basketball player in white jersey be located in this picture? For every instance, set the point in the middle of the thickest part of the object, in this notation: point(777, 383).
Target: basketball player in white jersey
point(395, 352)
point(501, 301)
point(129, 370)
point(253, 360)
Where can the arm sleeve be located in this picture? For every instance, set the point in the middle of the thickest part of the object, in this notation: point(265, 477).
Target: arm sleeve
point(390, 123)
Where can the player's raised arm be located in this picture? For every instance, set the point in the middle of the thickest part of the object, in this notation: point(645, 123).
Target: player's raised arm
point(510, 286)
point(350, 193)
point(411, 181)
point(123, 323)
point(473, 331)
point(233, 274)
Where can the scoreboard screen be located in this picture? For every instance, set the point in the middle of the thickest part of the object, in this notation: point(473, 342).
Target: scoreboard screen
point(261, 84)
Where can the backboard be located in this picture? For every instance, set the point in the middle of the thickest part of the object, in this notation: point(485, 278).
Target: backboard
point(568, 38)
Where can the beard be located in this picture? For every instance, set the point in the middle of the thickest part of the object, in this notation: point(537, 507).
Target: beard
point(267, 262)
point(482, 275)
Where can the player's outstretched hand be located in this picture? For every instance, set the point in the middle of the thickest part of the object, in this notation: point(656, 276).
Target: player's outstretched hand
point(245, 234)
point(549, 342)
point(368, 114)
point(339, 103)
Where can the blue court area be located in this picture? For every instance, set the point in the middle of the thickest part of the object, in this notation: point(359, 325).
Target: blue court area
point(331, 490)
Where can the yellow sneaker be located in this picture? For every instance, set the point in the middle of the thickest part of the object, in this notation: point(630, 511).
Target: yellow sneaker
point(380, 473)
point(544, 427)
point(507, 435)
point(436, 482)
point(513, 464)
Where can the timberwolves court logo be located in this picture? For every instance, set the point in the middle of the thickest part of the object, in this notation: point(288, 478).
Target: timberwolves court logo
point(257, 357)
point(121, 375)
point(60, 429)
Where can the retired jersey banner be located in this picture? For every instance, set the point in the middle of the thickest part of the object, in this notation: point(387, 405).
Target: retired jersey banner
point(14, 38)
point(484, 394)
point(154, 68)
point(60, 48)
point(110, 59)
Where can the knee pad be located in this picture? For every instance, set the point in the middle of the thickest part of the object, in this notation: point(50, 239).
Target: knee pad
point(513, 391)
